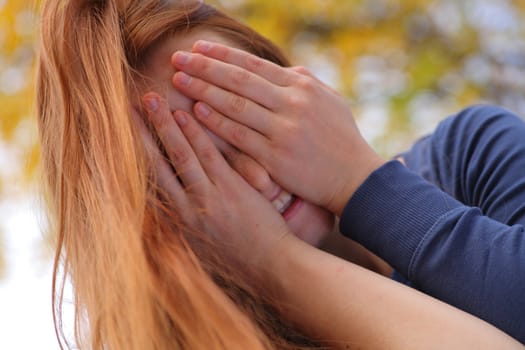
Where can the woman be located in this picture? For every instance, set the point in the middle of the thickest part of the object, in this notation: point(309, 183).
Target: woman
point(158, 264)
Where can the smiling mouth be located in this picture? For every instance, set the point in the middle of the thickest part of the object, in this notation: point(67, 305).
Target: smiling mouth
point(283, 202)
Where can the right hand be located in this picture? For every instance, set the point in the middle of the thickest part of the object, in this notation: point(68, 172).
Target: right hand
point(210, 196)
point(301, 131)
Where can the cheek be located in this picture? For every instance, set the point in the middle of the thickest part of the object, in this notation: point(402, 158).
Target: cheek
point(179, 102)
point(312, 224)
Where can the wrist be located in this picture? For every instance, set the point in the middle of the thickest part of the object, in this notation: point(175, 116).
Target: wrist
point(278, 268)
point(351, 179)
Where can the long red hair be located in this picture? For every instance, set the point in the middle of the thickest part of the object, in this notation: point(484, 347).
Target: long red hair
point(138, 283)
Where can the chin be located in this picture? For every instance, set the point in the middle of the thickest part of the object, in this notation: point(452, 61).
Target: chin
point(312, 224)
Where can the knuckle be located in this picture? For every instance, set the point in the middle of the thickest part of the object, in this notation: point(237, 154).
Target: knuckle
point(254, 64)
point(306, 83)
point(287, 78)
point(240, 77)
point(208, 154)
point(239, 133)
point(290, 128)
point(302, 70)
point(237, 104)
point(179, 156)
point(297, 102)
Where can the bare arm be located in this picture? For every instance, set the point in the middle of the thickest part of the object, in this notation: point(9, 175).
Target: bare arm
point(336, 302)
point(346, 306)
point(349, 250)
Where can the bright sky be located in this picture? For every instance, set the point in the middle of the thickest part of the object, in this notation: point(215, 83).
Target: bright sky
point(25, 290)
point(25, 296)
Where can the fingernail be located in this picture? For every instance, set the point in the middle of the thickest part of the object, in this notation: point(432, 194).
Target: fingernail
point(183, 78)
point(182, 58)
point(203, 46)
point(181, 118)
point(202, 110)
point(151, 103)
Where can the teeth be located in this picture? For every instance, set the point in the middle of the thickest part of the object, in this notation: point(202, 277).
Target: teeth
point(283, 201)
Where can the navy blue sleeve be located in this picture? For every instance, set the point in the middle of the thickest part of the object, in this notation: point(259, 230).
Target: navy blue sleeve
point(478, 157)
point(452, 221)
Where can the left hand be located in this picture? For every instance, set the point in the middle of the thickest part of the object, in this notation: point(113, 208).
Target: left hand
point(297, 128)
point(205, 192)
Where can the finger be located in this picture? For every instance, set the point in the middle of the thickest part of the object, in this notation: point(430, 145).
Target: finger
point(235, 107)
point(178, 149)
point(166, 179)
point(252, 172)
point(304, 71)
point(229, 77)
point(263, 68)
point(245, 166)
point(236, 134)
point(205, 150)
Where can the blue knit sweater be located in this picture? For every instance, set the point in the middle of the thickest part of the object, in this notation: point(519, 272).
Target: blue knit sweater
point(452, 221)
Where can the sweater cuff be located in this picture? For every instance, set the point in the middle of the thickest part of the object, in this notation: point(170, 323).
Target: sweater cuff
point(392, 211)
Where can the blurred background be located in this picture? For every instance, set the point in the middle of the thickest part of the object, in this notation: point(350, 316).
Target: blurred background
point(403, 65)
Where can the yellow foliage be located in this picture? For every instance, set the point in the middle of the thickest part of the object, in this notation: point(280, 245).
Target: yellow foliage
point(413, 43)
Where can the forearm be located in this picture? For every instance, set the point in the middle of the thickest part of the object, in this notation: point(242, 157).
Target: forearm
point(477, 157)
point(465, 256)
point(351, 251)
point(448, 250)
point(343, 305)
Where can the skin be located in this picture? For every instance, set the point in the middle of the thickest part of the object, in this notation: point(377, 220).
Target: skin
point(347, 307)
point(352, 308)
point(311, 223)
point(271, 118)
point(308, 221)
point(210, 195)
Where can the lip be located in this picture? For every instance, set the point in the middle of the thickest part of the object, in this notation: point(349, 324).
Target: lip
point(293, 208)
